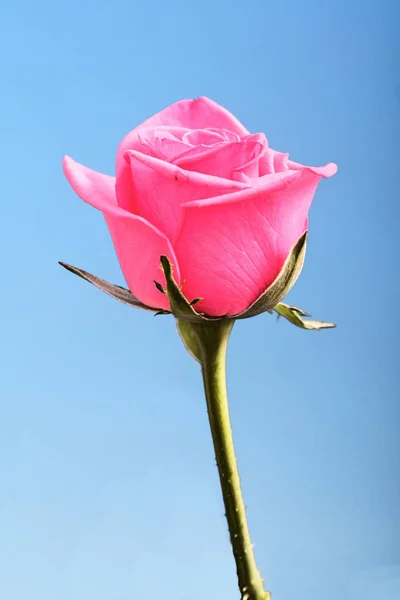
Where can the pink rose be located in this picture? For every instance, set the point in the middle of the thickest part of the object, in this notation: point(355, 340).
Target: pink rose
point(193, 184)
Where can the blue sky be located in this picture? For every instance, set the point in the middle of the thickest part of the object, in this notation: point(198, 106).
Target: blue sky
point(109, 489)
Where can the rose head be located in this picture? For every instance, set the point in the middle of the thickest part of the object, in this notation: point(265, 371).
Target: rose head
point(194, 185)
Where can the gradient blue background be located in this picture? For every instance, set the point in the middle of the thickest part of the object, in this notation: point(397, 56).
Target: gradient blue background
point(109, 489)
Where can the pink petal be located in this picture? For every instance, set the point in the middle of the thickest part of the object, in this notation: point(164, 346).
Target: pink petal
point(138, 244)
point(206, 137)
point(280, 161)
point(93, 187)
point(326, 171)
point(143, 140)
point(266, 166)
point(274, 162)
point(228, 256)
point(226, 160)
point(139, 247)
point(250, 190)
point(222, 160)
point(225, 134)
point(230, 252)
point(201, 113)
point(161, 143)
point(160, 189)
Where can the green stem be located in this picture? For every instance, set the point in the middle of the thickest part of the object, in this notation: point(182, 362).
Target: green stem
point(213, 339)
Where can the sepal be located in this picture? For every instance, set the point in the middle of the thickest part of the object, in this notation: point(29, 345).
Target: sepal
point(181, 307)
point(282, 284)
point(295, 315)
point(115, 291)
point(189, 338)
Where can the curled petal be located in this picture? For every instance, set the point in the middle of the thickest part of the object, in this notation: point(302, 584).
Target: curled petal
point(165, 143)
point(326, 171)
point(280, 161)
point(250, 190)
point(225, 160)
point(93, 187)
point(267, 166)
point(203, 137)
point(210, 136)
point(138, 244)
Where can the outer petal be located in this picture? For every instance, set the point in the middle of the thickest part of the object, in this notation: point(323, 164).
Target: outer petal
point(201, 113)
point(139, 247)
point(138, 244)
point(93, 187)
point(161, 188)
point(230, 252)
